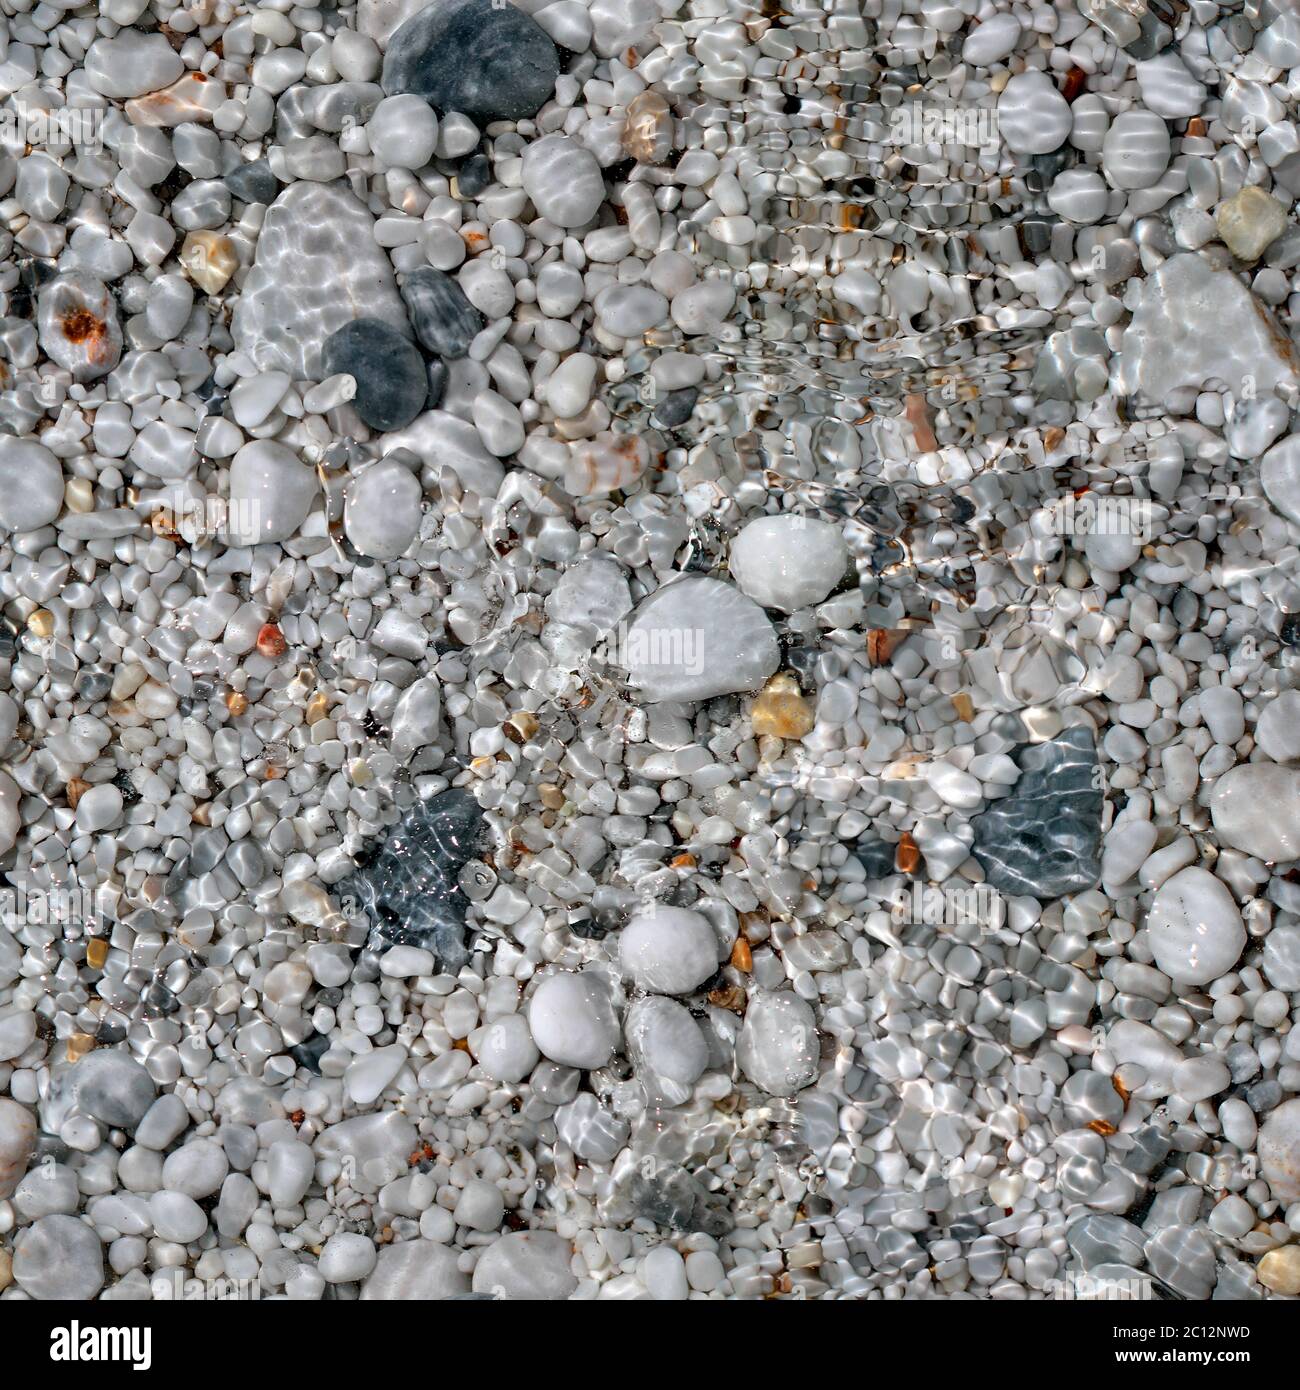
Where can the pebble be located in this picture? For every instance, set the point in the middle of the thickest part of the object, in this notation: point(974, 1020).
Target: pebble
point(1256, 809)
point(696, 639)
point(271, 493)
point(381, 515)
point(778, 1045)
point(788, 562)
point(531, 1266)
point(1279, 473)
point(668, 950)
point(1033, 116)
point(505, 1049)
point(563, 180)
point(490, 62)
point(391, 383)
point(1279, 1151)
point(1249, 222)
point(443, 319)
point(17, 1143)
point(415, 1271)
point(572, 1020)
point(59, 1258)
point(31, 484)
point(1195, 928)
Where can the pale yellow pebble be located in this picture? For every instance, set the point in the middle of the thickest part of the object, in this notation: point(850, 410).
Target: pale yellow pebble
point(79, 495)
point(96, 952)
point(41, 623)
point(210, 259)
point(1279, 1270)
point(359, 771)
point(781, 709)
point(78, 1045)
point(317, 706)
point(964, 706)
point(6, 1269)
point(552, 797)
point(1249, 222)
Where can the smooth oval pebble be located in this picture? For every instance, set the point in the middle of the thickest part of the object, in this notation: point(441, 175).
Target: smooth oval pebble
point(271, 492)
point(668, 950)
point(778, 1045)
point(572, 1020)
point(1033, 116)
point(443, 319)
point(1256, 808)
point(564, 180)
point(392, 386)
point(788, 562)
point(1279, 1151)
point(487, 60)
point(31, 484)
point(382, 508)
point(1136, 149)
point(1195, 928)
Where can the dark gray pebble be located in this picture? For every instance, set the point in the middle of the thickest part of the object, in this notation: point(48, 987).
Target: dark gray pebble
point(494, 63)
point(391, 383)
point(444, 321)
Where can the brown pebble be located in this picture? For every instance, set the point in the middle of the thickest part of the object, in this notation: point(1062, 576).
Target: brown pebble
point(551, 796)
point(236, 703)
point(96, 952)
point(907, 857)
point(76, 789)
point(522, 725)
point(741, 956)
point(964, 706)
point(78, 1045)
point(730, 997)
point(881, 643)
point(41, 623)
point(316, 707)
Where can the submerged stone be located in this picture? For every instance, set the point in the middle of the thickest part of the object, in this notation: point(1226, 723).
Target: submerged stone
point(1043, 840)
point(444, 320)
point(492, 62)
point(392, 385)
point(410, 890)
point(671, 1197)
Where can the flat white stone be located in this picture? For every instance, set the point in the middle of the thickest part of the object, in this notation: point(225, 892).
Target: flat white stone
point(1195, 928)
point(695, 639)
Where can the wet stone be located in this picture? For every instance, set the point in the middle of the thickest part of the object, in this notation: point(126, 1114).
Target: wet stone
point(392, 386)
point(442, 317)
point(253, 183)
point(474, 176)
point(671, 1197)
point(490, 62)
point(409, 890)
point(1043, 840)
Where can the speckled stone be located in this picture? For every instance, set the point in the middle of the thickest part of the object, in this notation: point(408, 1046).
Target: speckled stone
point(317, 267)
point(1043, 840)
point(493, 63)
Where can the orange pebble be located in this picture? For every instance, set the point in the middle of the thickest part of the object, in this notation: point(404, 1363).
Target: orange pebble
point(271, 643)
